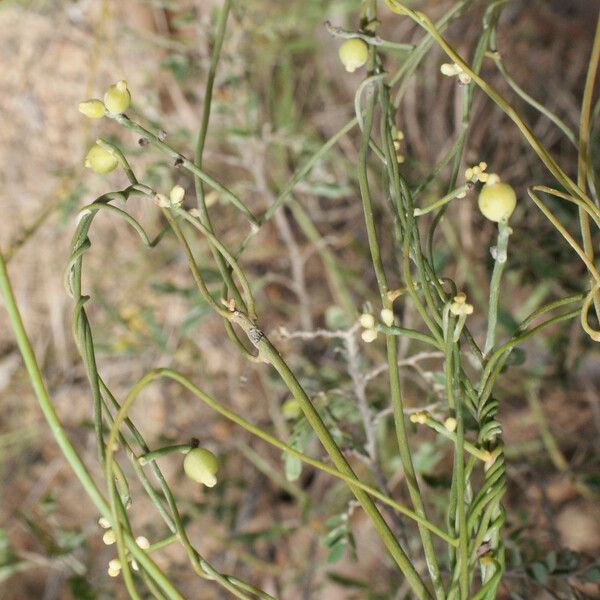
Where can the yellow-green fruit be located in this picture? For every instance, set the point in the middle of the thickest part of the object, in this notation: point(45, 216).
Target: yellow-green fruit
point(201, 465)
point(92, 109)
point(100, 160)
point(497, 201)
point(353, 54)
point(117, 98)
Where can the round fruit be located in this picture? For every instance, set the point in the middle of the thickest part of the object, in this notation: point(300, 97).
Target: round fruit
point(201, 465)
point(497, 201)
point(100, 160)
point(353, 54)
point(93, 109)
point(117, 98)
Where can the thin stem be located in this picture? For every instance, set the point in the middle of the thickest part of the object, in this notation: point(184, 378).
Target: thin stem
point(500, 260)
point(584, 140)
point(61, 437)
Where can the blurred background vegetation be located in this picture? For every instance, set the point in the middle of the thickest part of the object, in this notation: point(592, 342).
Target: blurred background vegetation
point(280, 92)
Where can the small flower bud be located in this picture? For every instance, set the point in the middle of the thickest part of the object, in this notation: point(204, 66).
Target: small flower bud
point(387, 316)
point(117, 98)
point(100, 160)
point(353, 53)
point(367, 321)
point(450, 69)
point(450, 424)
point(103, 523)
point(419, 417)
point(109, 537)
point(92, 109)
point(115, 564)
point(201, 465)
point(460, 306)
point(142, 542)
point(176, 195)
point(114, 567)
point(497, 201)
point(369, 335)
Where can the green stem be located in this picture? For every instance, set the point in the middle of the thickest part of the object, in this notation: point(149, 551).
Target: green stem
point(500, 260)
point(392, 351)
point(584, 140)
point(61, 437)
point(126, 122)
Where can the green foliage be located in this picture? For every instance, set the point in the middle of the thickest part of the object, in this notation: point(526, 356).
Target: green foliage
point(339, 538)
point(344, 389)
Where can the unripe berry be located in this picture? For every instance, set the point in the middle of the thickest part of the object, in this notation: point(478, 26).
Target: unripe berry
point(100, 160)
point(117, 98)
point(201, 465)
point(353, 53)
point(497, 201)
point(92, 109)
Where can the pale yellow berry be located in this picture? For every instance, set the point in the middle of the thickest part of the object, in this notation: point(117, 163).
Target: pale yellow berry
point(142, 542)
point(353, 53)
point(201, 465)
point(92, 109)
point(369, 335)
point(176, 195)
point(113, 572)
point(109, 537)
point(387, 316)
point(114, 564)
point(103, 522)
point(100, 160)
point(450, 424)
point(117, 98)
point(497, 201)
point(367, 321)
